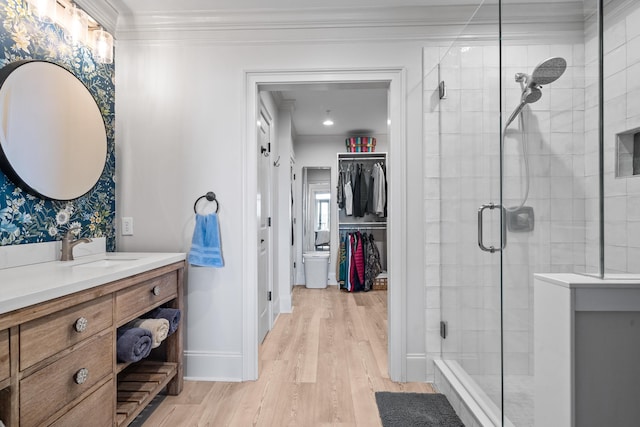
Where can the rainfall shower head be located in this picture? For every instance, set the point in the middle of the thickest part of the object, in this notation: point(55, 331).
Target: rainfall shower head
point(548, 71)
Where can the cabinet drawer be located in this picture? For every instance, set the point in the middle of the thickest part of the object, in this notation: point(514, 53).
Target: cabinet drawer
point(48, 335)
point(140, 298)
point(4, 355)
point(51, 388)
point(98, 406)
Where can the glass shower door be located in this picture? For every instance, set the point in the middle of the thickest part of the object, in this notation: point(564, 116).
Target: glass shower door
point(470, 198)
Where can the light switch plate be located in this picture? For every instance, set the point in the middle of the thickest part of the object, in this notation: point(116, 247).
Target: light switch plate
point(127, 226)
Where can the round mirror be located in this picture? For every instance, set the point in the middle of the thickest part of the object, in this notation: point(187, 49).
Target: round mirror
point(53, 141)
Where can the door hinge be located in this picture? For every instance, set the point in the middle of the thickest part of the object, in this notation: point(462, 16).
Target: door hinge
point(269, 296)
point(443, 329)
point(269, 222)
point(269, 146)
point(294, 264)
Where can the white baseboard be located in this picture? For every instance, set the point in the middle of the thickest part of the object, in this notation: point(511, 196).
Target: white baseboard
point(416, 367)
point(212, 366)
point(285, 304)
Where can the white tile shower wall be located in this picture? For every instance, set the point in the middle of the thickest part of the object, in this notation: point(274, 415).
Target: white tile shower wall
point(469, 155)
point(621, 113)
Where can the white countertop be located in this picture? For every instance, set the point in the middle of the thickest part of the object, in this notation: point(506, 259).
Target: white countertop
point(32, 284)
point(572, 280)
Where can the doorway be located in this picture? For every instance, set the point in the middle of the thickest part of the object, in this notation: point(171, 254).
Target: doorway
point(394, 80)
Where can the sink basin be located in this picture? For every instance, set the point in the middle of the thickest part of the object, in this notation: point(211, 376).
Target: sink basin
point(103, 263)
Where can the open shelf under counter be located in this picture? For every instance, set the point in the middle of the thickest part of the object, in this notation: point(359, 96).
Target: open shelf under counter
point(138, 384)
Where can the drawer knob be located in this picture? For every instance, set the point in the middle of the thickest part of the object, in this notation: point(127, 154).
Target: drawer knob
point(81, 376)
point(81, 324)
point(156, 290)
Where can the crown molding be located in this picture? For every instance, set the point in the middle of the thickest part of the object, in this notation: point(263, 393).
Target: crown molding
point(102, 11)
point(336, 24)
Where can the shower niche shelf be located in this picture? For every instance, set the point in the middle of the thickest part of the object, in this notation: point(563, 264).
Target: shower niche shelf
point(628, 154)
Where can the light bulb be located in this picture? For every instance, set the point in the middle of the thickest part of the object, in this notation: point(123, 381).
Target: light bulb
point(77, 24)
point(45, 10)
point(103, 46)
point(328, 121)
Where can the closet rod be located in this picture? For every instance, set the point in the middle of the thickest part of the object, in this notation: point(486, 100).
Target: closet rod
point(369, 226)
point(360, 159)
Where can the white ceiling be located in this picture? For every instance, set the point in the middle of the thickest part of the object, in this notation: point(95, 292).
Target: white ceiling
point(354, 110)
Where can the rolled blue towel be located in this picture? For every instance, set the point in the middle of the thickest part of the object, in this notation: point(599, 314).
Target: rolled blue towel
point(133, 344)
point(171, 314)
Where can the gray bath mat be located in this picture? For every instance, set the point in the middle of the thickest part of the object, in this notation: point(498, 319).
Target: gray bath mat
point(416, 410)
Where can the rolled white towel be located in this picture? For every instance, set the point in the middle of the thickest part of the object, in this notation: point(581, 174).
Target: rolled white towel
point(159, 328)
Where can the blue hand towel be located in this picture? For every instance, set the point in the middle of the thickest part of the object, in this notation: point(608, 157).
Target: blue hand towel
point(171, 314)
point(206, 250)
point(133, 344)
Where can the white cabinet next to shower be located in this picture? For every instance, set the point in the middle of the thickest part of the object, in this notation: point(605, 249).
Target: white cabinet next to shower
point(587, 351)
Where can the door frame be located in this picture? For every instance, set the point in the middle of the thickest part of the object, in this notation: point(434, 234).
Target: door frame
point(397, 202)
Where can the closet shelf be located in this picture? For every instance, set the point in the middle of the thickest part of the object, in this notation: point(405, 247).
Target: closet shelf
point(138, 385)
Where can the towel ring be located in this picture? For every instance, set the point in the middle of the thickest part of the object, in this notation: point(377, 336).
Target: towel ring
point(210, 196)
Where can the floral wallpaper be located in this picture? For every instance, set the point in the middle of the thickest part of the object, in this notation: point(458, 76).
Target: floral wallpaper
point(23, 217)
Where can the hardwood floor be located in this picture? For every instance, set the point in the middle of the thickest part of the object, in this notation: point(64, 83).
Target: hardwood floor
point(319, 366)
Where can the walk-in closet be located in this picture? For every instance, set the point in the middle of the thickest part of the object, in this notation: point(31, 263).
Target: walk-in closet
point(362, 221)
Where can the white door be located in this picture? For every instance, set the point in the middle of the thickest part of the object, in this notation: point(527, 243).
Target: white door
point(264, 220)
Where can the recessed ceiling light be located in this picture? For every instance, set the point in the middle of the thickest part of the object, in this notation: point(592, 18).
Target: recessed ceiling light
point(327, 120)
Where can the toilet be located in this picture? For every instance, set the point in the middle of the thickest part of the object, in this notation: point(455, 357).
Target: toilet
point(316, 269)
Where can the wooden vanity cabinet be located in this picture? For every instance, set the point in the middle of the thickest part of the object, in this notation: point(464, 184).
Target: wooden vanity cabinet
point(4, 358)
point(58, 358)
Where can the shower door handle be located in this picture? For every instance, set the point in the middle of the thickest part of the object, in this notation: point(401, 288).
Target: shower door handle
point(481, 210)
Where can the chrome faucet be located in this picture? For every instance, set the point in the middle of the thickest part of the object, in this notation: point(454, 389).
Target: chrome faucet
point(68, 243)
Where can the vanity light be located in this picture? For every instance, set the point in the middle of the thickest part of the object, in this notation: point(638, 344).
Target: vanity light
point(328, 121)
point(102, 46)
point(45, 10)
point(77, 23)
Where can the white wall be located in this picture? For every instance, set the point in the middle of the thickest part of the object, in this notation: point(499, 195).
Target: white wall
point(180, 128)
point(322, 151)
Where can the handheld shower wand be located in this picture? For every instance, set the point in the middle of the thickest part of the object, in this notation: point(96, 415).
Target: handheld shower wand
point(548, 71)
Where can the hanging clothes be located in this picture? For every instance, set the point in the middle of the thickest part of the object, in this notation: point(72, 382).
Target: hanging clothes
point(370, 187)
point(383, 167)
point(364, 189)
point(348, 199)
point(359, 259)
point(340, 189)
point(373, 265)
point(348, 265)
point(357, 188)
point(379, 192)
point(342, 261)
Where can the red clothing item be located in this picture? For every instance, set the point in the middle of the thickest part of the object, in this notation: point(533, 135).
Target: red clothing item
point(352, 263)
point(359, 258)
